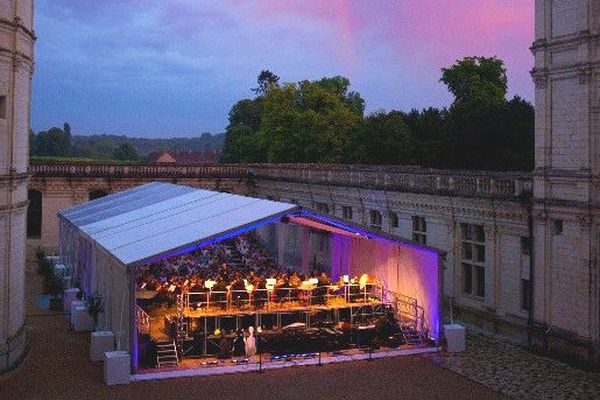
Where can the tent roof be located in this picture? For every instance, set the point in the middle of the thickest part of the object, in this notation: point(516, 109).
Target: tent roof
point(158, 218)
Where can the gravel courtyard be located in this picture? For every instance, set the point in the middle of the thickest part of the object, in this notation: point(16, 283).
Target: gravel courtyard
point(518, 373)
point(58, 367)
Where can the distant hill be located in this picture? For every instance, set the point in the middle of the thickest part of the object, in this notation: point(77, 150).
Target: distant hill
point(86, 146)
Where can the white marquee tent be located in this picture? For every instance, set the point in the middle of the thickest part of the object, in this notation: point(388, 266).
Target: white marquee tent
point(102, 242)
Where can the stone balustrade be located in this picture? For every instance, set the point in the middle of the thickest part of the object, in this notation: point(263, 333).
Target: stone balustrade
point(398, 178)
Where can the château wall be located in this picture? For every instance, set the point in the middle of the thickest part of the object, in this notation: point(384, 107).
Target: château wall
point(497, 201)
point(16, 69)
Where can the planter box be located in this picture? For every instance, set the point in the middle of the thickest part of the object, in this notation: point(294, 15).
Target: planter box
point(116, 367)
point(69, 295)
point(81, 319)
point(455, 338)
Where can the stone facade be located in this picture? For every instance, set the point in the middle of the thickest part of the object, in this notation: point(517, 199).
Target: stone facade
point(566, 205)
point(522, 249)
point(446, 200)
point(16, 68)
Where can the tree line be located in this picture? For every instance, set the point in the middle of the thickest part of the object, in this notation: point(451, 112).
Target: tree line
point(60, 142)
point(323, 121)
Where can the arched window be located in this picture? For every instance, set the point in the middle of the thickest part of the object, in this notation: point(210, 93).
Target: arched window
point(34, 213)
point(375, 219)
point(96, 194)
point(393, 220)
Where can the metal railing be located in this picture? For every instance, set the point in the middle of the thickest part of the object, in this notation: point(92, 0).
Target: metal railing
point(278, 297)
point(142, 319)
point(408, 311)
point(399, 178)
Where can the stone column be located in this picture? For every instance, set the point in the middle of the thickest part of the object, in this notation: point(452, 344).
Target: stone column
point(16, 67)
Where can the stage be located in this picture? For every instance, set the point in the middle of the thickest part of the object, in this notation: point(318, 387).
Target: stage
point(193, 369)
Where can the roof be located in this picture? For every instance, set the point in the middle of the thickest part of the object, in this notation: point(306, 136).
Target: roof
point(159, 218)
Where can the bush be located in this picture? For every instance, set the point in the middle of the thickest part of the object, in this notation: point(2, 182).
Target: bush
point(94, 305)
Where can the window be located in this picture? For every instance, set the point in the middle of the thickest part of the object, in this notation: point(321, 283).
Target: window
point(393, 220)
point(375, 219)
point(419, 228)
point(558, 227)
point(96, 194)
point(473, 259)
point(3, 107)
point(525, 294)
point(322, 207)
point(525, 246)
point(34, 214)
point(347, 212)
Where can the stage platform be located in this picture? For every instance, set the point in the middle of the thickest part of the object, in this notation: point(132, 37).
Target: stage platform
point(192, 368)
point(255, 317)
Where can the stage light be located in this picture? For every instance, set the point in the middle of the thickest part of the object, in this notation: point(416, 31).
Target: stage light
point(362, 282)
point(271, 284)
point(346, 279)
point(209, 283)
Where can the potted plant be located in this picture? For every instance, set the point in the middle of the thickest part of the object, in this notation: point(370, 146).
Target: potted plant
point(44, 269)
point(94, 305)
point(55, 289)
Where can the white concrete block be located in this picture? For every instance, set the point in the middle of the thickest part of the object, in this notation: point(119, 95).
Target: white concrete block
point(101, 342)
point(116, 367)
point(74, 304)
point(69, 296)
point(455, 337)
point(81, 319)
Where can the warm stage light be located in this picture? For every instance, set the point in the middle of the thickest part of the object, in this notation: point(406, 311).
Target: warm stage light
point(362, 282)
point(249, 288)
point(209, 283)
point(271, 284)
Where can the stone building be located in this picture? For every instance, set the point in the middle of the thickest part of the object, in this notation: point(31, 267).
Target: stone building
point(522, 248)
point(16, 67)
point(567, 176)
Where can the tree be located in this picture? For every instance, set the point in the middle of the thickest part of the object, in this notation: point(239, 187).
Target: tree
point(476, 81)
point(242, 146)
point(53, 142)
point(246, 112)
point(429, 130)
point(33, 147)
point(385, 138)
point(125, 152)
point(311, 121)
point(265, 80)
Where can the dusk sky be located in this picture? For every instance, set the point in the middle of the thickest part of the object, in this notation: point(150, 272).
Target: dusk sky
point(160, 68)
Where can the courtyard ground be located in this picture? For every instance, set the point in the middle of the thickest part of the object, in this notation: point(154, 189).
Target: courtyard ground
point(58, 367)
point(518, 373)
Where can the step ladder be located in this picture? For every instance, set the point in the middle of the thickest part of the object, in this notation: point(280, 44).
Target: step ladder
point(166, 354)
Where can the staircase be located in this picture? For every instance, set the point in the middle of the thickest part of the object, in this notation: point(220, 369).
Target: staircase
point(411, 335)
point(410, 316)
point(166, 354)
